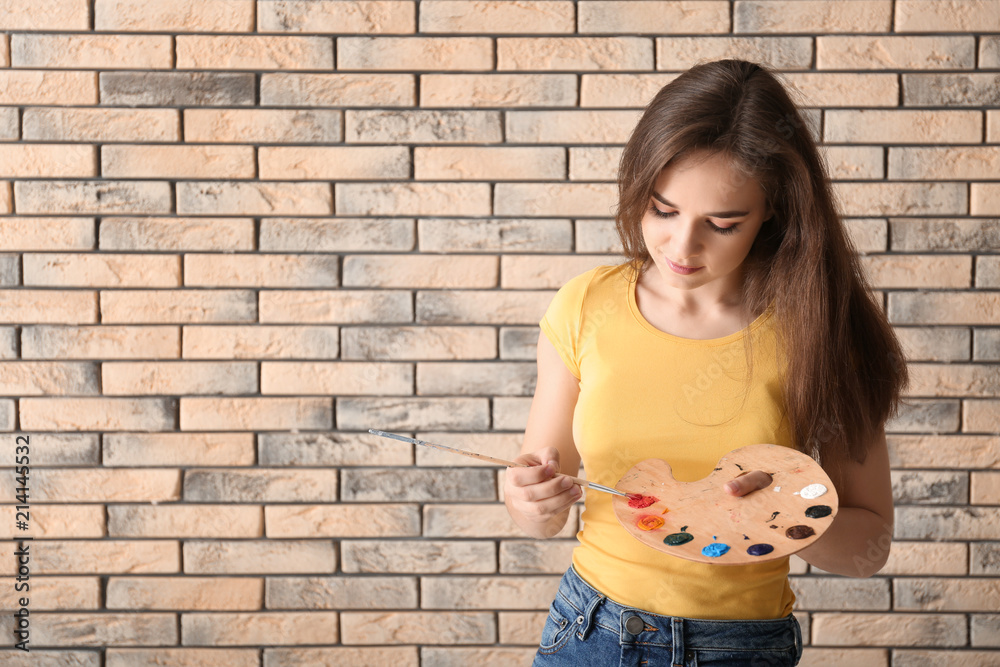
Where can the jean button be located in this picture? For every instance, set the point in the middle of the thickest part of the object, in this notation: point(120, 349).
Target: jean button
point(579, 620)
point(634, 625)
point(688, 655)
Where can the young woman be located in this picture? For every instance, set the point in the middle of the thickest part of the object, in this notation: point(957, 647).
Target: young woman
point(740, 317)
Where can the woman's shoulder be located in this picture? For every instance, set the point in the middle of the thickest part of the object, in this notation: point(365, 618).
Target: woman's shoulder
point(600, 277)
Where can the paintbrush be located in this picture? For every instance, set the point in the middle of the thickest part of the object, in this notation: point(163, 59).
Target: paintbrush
point(500, 462)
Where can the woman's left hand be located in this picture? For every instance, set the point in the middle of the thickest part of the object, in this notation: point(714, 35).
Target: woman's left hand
point(747, 482)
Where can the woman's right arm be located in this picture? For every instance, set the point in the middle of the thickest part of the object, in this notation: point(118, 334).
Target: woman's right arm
point(537, 499)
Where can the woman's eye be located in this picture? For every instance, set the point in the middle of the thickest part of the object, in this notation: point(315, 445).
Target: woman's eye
point(662, 214)
point(715, 228)
point(722, 230)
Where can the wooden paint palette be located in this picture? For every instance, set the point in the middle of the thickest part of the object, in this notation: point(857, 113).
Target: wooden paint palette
point(688, 518)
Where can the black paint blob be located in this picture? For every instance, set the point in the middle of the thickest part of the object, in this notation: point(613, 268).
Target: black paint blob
point(799, 532)
point(759, 549)
point(819, 511)
point(677, 539)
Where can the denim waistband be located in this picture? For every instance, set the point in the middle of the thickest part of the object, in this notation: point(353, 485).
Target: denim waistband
point(679, 634)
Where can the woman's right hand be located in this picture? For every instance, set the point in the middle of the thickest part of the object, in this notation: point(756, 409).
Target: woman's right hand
point(539, 493)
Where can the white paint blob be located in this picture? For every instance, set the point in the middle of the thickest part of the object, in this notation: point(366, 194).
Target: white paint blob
point(777, 488)
point(812, 491)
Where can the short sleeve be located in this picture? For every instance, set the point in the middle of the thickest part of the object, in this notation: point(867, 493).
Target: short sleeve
point(561, 322)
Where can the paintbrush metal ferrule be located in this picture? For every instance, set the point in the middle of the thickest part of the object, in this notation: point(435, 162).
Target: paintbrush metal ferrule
point(608, 489)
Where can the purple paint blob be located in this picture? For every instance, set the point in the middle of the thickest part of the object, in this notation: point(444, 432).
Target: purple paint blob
point(759, 549)
point(715, 549)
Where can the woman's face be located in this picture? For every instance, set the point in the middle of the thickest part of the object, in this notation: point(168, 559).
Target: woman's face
point(702, 219)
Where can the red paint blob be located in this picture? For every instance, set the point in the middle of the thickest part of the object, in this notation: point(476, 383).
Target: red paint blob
point(638, 501)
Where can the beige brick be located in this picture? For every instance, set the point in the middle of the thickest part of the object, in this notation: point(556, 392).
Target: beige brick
point(144, 161)
point(555, 199)
point(185, 520)
point(496, 592)
point(43, 87)
point(953, 16)
point(172, 89)
point(918, 416)
point(979, 89)
point(151, 233)
point(259, 556)
point(46, 15)
point(782, 53)
point(570, 127)
point(340, 235)
point(183, 593)
point(261, 342)
point(944, 307)
point(416, 627)
point(989, 52)
point(518, 342)
point(628, 16)
point(985, 488)
point(104, 125)
point(853, 162)
point(41, 378)
point(984, 630)
point(385, 16)
point(182, 657)
point(91, 51)
point(621, 90)
point(257, 198)
point(984, 199)
point(463, 307)
point(272, 628)
point(337, 90)
point(902, 126)
point(48, 161)
point(488, 163)
point(495, 235)
point(985, 558)
point(6, 197)
point(415, 53)
point(927, 558)
point(946, 234)
point(8, 343)
point(332, 449)
point(419, 343)
point(841, 89)
point(97, 414)
point(833, 657)
point(10, 119)
point(422, 126)
point(847, 594)
point(446, 414)
point(818, 16)
point(335, 306)
point(178, 378)
point(341, 592)
point(896, 628)
point(104, 629)
point(254, 53)
point(496, 16)
point(960, 380)
point(418, 557)
point(945, 658)
point(257, 270)
point(338, 520)
point(521, 627)
point(263, 125)
point(181, 16)
point(334, 163)
point(993, 126)
point(948, 523)
point(536, 556)
point(867, 234)
point(592, 163)
point(101, 270)
point(930, 487)
point(987, 271)
point(178, 449)
point(574, 53)
point(942, 451)
point(451, 378)
point(986, 344)
point(480, 520)
point(54, 521)
point(901, 198)
point(892, 52)
point(946, 594)
point(918, 271)
point(99, 342)
point(966, 163)
point(21, 306)
point(420, 271)
point(251, 414)
point(420, 484)
point(399, 656)
point(97, 484)
point(510, 413)
point(495, 656)
point(497, 90)
point(464, 199)
point(526, 272)
point(107, 557)
point(66, 449)
point(337, 378)
point(934, 343)
point(178, 306)
point(52, 593)
point(52, 234)
point(47, 197)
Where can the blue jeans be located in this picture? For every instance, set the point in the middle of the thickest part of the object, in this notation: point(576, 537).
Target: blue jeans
point(586, 628)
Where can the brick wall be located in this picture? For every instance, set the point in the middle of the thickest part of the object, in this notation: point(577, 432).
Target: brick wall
point(234, 235)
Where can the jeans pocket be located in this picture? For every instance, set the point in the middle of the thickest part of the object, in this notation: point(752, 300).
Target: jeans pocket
point(558, 627)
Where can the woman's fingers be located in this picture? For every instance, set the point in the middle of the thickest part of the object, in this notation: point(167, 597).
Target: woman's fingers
point(747, 482)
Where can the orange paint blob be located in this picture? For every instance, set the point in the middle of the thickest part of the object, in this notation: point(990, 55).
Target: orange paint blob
point(649, 522)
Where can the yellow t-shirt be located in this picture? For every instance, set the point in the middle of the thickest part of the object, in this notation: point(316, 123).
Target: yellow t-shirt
point(647, 394)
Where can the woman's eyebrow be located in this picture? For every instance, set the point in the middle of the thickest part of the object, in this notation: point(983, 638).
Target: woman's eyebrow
point(720, 214)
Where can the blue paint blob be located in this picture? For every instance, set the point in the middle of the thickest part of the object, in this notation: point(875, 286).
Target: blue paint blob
point(759, 549)
point(715, 549)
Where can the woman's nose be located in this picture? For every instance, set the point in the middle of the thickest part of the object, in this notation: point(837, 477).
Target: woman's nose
point(685, 241)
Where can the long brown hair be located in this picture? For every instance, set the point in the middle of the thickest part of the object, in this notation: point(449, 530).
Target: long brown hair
point(844, 368)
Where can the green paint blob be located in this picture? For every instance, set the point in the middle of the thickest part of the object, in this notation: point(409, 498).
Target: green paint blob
point(677, 539)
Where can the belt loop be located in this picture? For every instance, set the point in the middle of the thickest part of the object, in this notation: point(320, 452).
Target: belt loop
point(588, 616)
point(677, 642)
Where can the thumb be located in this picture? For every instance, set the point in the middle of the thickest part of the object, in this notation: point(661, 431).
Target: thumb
point(748, 482)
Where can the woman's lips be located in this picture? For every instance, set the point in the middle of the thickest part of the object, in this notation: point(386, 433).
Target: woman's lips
point(681, 269)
